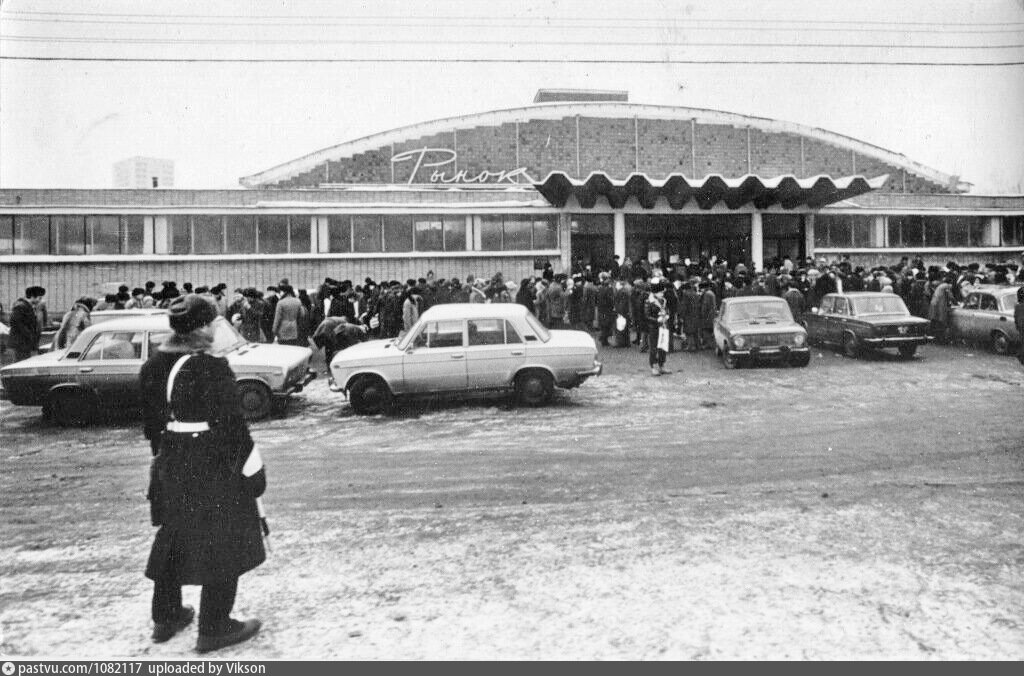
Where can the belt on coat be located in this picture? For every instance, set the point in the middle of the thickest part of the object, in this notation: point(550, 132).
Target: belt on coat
point(187, 427)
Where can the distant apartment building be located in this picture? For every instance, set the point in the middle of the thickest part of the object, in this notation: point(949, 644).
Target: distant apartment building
point(144, 172)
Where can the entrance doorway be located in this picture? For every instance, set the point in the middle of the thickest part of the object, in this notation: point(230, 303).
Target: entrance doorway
point(593, 240)
point(674, 238)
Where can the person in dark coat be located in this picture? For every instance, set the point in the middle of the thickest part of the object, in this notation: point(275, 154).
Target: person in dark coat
point(25, 327)
point(205, 479)
point(1018, 320)
point(605, 308)
point(708, 311)
point(657, 316)
point(689, 315)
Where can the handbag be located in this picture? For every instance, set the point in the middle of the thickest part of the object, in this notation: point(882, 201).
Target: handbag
point(663, 337)
point(375, 321)
point(620, 323)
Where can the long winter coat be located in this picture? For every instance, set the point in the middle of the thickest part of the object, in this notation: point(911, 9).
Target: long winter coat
point(25, 329)
point(708, 309)
point(74, 322)
point(287, 316)
point(206, 509)
point(689, 310)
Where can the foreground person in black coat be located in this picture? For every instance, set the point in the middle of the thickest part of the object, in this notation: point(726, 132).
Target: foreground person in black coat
point(204, 482)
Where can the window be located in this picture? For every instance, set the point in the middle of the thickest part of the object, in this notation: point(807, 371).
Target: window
point(209, 234)
point(155, 340)
point(69, 234)
point(486, 332)
point(490, 232)
point(6, 234)
point(972, 302)
point(179, 234)
point(119, 345)
point(841, 306)
point(397, 233)
point(1013, 231)
point(300, 233)
point(934, 231)
point(428, 233)
point(366, 234)
point(440, 334)
point(133, 235)
point(828, 304)
point(518, 233)
point(273, 231)
point(906, 231)
point(240, 234)
point(455, 233)
point(988, 302)
point(103, 234)
point(339, 234)
point(545, 233)
point(842, 230)
point(31, 234)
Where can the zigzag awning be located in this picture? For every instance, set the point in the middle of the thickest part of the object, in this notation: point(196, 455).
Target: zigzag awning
point(789, 192)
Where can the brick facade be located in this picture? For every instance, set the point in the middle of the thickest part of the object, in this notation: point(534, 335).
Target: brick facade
point(579, 145)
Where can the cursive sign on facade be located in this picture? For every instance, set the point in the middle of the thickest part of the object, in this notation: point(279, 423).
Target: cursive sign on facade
point(437, 159)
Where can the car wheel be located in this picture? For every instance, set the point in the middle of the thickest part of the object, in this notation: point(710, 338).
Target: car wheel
point(729, 360)
point(534, 388)
point(70, 408)
point(1000, 343)
point(907, 351)
point(370, 395)
point(802, 359)
point(851, 346)
point(255, 399)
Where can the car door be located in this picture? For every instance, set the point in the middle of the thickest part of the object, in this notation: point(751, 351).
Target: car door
point(815, 321)
point(838, 319)
point(963, 319)
point(987, 316)
point(435, 360)
point(110, 366)
point(494, 351)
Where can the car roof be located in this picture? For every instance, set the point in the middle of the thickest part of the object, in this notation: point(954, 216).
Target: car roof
point(473, 310)
point(995, 290)
point(144, 322)
point(865, 294)
point(751, 299)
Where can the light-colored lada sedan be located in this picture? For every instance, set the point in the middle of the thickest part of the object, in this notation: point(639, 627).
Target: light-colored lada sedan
point(464, 348)
point(100, 370)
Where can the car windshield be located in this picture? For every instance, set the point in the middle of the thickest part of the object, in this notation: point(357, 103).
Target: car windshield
point(1009, 302)
point(225, 337)
point(880, 305)
point(769, 311)
point(538, 329)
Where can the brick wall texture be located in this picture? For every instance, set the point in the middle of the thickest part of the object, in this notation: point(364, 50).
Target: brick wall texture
point(618, 147)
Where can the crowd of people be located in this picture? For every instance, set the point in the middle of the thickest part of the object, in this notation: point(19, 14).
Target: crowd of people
point(654, 307)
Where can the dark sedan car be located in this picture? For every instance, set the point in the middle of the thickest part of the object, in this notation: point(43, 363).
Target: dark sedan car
point(867, 320)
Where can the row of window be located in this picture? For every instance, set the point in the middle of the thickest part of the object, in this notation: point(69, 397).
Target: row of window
point(839, 231)
point(274, 234)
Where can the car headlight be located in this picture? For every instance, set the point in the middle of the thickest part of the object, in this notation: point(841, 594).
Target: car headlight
point(799, 339)
point(738, 342)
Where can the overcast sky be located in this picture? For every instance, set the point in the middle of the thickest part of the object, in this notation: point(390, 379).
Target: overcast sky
point(63, 123)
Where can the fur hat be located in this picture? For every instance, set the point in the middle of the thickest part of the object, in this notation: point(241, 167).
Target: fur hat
point(188, 313)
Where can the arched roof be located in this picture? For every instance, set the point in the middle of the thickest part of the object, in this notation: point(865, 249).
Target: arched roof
point(557, 111)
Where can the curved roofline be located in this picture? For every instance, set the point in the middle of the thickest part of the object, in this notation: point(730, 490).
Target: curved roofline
point(558, 110)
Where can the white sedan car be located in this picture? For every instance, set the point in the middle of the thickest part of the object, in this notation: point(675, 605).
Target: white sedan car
point(466, 347)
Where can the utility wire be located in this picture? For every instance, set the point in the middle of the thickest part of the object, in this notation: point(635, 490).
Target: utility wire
point(418, 23)
point(751, 62)
point(532, 20)
point(505, 42)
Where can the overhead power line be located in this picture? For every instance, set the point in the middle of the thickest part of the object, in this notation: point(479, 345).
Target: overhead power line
point(752, 62)
point(547, 25)
point(503, 42)
point(504, 20)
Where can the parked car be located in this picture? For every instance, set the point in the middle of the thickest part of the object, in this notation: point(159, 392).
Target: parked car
point(101, 369)
point(756, 328)
point(463, 348)
point(97, 317)
point(986, 317)
point(866, 320)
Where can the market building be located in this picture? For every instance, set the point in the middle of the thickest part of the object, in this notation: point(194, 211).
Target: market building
point(576, 176)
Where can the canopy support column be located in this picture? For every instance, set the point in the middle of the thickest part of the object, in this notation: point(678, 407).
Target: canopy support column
point(757, 241)
point(620, 235)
